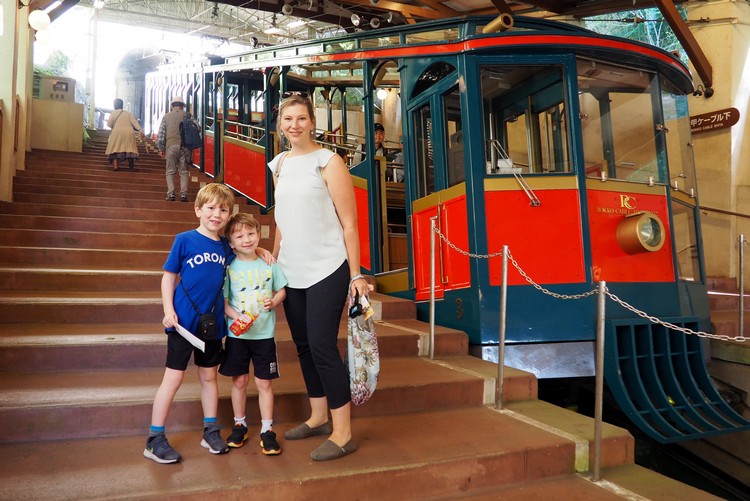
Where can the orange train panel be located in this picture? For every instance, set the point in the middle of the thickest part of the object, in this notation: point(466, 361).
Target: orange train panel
point(452, 268)
point(454, 225)
point(246, 171)
point(546, 241)
point(208, 154)
point(363, 225)
point(421, 229)
point(606, 210)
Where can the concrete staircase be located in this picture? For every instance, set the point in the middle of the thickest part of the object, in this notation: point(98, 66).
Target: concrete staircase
point(729, 367)
point(82, 353)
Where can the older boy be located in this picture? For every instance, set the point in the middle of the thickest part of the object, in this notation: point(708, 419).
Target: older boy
point(253, 289)
point(198, 258)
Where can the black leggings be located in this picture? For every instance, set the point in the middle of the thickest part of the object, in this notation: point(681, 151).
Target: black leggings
point(314, 317)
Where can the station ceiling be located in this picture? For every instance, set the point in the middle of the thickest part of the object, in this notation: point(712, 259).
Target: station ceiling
point(271, 22)
point(247, 22)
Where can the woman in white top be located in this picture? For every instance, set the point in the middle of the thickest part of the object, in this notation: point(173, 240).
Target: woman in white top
point(317, 247)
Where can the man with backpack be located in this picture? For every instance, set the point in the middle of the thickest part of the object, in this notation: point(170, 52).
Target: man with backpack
point(169, 143)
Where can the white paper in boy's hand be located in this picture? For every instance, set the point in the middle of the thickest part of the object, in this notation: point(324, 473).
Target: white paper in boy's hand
point(192, 339)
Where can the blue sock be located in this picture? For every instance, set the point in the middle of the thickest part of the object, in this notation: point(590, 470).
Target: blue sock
point(155, 430)
point(208, 421)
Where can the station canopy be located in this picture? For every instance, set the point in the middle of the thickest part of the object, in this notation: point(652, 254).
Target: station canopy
point(281, 21)
point(270, 22)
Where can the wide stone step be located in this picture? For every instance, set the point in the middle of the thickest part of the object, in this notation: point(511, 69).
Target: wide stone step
point(83, 307)
point(616, 483)
point(24, 280)
point(122, 184)
point(84, 240)
point(41, 348)
point(118, 403)
point(82, 258)
point(155, 202)
point(141, 177)
point(170, 212)
point(99, 225)
point(391, 463)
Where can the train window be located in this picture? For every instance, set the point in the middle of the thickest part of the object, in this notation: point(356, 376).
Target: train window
point(524, 119)
point(376, 42)
point(442, 35)
point(618, 123)
point(432, 75)
point(454, 137)
point(424, 150)
point(686, 242)
point(678, 142)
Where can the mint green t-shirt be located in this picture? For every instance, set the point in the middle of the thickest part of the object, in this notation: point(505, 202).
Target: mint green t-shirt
point(248, 284)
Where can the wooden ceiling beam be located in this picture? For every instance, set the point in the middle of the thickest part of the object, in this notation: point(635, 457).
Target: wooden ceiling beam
point(689, 43)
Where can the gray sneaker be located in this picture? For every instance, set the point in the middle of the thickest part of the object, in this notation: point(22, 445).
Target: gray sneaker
point(212, 440)
point(158, 449)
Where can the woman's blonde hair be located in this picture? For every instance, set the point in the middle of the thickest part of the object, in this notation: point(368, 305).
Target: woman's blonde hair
point(292, 100)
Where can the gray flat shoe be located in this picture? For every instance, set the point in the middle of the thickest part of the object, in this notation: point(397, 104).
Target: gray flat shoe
point(303, 431)
point(329, 450)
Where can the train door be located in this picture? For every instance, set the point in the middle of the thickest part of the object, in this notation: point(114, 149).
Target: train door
point(439, 185)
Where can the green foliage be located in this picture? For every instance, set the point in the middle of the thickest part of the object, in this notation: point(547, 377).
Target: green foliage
point(644, 25)
point(58, 65)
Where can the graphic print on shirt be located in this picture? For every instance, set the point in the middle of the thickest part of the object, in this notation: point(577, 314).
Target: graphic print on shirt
point(250, 288)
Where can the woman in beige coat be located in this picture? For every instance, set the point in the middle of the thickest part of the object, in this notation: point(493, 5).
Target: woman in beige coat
point(121, 144)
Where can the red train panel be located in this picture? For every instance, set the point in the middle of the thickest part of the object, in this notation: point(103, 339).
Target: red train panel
point(245, 170)
point(607, 209)
point(546, 241)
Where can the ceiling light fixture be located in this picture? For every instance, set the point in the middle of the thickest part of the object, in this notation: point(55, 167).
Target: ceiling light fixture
point(39, 20)
point(382, 94)
point(273, 29)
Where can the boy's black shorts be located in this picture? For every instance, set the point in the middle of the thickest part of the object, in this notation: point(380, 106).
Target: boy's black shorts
point(179, 351)
point(239, 352)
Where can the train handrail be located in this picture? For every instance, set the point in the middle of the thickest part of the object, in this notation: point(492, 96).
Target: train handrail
point(245, 137)
point(533, 199)
point(722, 211)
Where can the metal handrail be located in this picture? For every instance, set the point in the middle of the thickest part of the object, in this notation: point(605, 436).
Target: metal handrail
point(533, 199)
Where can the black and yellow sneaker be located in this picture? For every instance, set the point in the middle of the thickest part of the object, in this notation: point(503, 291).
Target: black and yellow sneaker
point(238, 436)
point(268, 443)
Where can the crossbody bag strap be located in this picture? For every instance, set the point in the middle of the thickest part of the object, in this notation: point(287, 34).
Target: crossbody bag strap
point(281, 162)
point(221, 287)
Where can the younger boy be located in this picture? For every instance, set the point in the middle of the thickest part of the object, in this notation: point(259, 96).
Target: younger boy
point(197, 260)
point(255, 289)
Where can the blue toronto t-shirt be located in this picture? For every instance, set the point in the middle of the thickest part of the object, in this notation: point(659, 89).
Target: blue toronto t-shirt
point(199, 261)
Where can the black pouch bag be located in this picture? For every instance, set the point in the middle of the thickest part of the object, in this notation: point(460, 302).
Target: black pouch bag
point(207, 327)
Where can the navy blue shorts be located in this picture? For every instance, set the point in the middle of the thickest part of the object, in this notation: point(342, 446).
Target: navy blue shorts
point(239, 353)
point(179, 351)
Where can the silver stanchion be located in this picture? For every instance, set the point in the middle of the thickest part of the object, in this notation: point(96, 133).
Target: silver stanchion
point(501, 334)
point(599, 391)
point(742, 284)
point(432, 287)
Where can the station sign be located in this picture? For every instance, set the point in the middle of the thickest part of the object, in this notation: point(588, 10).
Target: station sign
point(715, 120)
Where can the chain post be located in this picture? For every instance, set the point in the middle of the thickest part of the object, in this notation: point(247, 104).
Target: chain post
point(599, 387)
point(501, 334)
point(742, 284)
point(433, 229)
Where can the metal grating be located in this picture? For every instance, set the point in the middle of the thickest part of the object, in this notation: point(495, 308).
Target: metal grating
point(659, 379)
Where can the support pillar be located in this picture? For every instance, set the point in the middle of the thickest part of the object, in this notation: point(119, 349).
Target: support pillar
point(722, 158)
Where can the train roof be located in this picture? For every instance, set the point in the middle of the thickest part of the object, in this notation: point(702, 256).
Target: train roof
point(464, 34)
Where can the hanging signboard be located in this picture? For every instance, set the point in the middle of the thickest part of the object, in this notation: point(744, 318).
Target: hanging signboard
point(715, 120)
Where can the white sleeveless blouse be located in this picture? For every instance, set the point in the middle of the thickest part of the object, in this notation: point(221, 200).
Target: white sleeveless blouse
point(312, 239)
